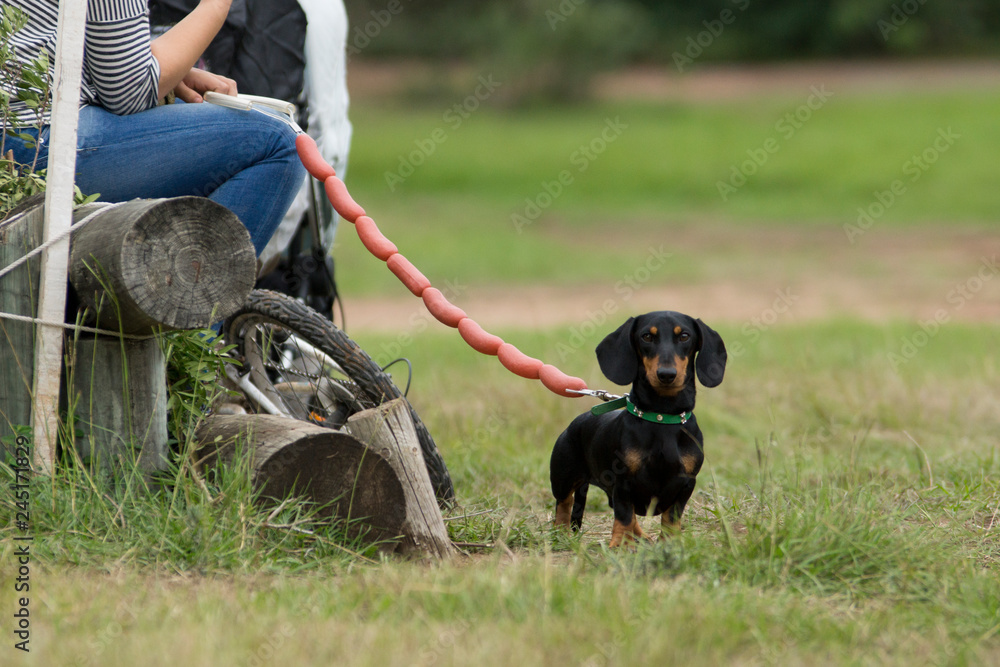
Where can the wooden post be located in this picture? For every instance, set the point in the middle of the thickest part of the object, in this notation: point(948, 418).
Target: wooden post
point(172, 263)
point(19, 296)
point(60, 174)
point(388, 430)
point(120, 387)
point(331, 468)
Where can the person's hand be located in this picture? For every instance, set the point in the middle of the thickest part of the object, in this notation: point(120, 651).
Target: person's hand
point(198, 82)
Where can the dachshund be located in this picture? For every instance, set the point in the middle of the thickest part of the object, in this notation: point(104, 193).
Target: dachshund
point(647, 456)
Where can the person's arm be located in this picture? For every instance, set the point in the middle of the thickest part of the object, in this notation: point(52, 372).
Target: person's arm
point(120, 71)
point(178, 49)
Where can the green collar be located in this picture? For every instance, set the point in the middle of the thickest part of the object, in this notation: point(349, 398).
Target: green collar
point(654, 417)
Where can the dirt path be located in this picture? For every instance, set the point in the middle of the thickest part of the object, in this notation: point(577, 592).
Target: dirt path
point(726, 82)
point(756, 277)
point(373, 80)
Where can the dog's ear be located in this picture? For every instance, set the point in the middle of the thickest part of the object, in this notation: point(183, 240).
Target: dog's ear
point(617, 356)
point(711, 362)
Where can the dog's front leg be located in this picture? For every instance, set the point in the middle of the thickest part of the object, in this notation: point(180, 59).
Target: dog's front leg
point(626, 527)
point(670, 520)
point(670, 523)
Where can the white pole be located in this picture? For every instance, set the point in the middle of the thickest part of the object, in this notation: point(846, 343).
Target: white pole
point(58, 218)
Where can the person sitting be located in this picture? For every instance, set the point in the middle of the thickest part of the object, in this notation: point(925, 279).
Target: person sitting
point(131, 144)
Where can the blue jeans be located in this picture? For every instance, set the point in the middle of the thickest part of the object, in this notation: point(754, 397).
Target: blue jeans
point(244, 160)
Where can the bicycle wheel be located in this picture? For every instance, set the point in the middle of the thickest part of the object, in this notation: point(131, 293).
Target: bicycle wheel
point(305, 366)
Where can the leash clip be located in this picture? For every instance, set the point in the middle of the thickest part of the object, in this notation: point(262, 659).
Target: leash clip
point(596, 393)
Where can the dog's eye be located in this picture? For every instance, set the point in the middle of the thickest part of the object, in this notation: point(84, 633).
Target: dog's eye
point(647, 337)
point(684, 337)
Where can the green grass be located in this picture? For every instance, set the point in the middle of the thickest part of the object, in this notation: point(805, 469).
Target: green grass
point(819, 532)
point(669, 157)
point(178, 522)
point(454, 213)
point(847, 512)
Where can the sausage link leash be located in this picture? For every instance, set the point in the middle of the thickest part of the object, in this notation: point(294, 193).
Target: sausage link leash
point(437, 304)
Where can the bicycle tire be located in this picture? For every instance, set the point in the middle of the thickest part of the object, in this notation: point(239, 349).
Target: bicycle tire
point(304, 326)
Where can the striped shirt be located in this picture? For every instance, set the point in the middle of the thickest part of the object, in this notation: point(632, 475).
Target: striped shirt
point(119, 70)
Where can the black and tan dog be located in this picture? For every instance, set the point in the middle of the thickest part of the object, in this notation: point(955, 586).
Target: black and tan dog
point(646, 456)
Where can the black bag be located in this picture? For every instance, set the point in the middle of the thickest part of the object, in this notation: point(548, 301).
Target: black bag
point(261, 46)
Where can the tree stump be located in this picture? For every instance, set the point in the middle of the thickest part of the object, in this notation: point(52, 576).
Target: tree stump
point(121, 406)
point(180, 263)
point(388, 430)
point(344, 478)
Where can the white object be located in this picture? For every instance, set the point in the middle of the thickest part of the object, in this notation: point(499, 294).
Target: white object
point(326, 89)
point(247, 102)
point(272, 107)
point(58, 219)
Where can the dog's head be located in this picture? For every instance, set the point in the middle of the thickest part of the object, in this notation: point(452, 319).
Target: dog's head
point(660, 349)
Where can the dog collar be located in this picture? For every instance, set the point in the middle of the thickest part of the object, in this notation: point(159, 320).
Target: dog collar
point(655, 417)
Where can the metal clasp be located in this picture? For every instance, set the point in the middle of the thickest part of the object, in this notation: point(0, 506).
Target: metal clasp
point(596, 393)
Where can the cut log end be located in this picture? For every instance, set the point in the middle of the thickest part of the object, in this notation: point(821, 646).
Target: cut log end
point(344, 479)
point(388, 429)
point(178, 263)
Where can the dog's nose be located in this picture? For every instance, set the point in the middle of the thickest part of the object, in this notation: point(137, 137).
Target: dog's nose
point(666, 375)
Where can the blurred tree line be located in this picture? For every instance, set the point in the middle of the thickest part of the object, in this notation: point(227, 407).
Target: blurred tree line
point(558, 44)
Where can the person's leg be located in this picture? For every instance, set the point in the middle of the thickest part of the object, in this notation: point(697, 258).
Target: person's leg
point(244, 160)
point(25, 152)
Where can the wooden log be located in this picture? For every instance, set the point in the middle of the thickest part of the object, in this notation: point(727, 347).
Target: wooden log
point(388, 430)
point(331, 468)
point(19, 233)
point(119, 397)
point(176, 263)
point(180, 263)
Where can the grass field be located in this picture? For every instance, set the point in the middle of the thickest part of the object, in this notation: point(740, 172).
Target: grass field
point(662, 169)
point(849, 506)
